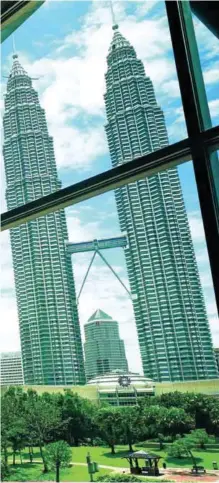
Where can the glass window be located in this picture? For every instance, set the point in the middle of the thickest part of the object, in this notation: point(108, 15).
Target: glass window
point(90, 98)
point(162, 302)
point(79, 90)
point(208, 50)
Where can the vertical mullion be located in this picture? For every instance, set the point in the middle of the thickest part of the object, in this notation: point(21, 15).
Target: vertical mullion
point(197, 119)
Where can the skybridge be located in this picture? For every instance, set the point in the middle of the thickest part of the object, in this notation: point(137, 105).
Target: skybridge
point(96, 246)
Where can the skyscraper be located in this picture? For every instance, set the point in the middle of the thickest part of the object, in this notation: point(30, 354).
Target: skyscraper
point(48, 317)
point(104, 350)
point(173, 330)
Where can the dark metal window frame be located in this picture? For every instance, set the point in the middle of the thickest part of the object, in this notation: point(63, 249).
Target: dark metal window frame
point(199, 146)
point(14, 13)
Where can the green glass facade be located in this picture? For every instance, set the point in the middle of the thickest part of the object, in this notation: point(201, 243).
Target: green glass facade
point(48, 317)
point(104, 350)
point(173, 329)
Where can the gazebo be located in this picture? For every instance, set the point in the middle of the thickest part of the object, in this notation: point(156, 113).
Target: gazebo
point(151, 463)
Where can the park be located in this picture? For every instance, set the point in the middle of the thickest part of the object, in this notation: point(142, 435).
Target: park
point(63, 437)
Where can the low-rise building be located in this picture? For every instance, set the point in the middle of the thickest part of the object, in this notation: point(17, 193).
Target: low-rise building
point(11, 369)
point(123, 388)
point(216, 352)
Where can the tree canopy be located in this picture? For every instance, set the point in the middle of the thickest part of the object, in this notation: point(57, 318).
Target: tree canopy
point(30, 419)
point(58, 455)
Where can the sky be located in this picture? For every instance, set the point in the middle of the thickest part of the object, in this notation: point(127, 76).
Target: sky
point(63, 47)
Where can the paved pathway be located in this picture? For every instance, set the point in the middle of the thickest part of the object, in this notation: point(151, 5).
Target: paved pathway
point(119, 468)
point(174, 474)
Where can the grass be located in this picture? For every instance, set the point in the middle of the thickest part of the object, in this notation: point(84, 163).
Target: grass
point(103, 456)
point(33, 472)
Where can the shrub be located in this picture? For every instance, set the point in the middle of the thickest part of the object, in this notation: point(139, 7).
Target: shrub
point(4, 471)
point(98, 442)
point(118, 477)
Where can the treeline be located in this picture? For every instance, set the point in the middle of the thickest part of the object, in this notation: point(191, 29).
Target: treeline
point(32, 420)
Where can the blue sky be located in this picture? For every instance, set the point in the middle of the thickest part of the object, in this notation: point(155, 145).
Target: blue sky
point(64, 44)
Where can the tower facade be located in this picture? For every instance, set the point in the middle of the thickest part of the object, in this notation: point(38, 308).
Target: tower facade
point(104, 350)
point(48, 317)
point(173, 330)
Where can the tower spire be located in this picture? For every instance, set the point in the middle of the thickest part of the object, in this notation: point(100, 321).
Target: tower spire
point(14, 48)
point(115, 25)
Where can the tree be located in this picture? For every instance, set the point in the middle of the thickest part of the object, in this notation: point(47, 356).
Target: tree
point(17, 435)
point(172, 399)
point(4, 470)
point(108, 421)
point(182, 447)
point(43, 419)
point(161, 438)
point(175, 421)
point(152, 418)
point(199, 437)
point(79, 415)
point(130, 426)
point(13, 427)
point(214, 418)
point(199, 406)
point(58, 455)
point(159, 420)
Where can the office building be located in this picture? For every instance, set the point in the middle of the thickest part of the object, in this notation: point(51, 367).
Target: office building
point(11, 369)
point(172, 324)
point(104, 350)
point(46, 301)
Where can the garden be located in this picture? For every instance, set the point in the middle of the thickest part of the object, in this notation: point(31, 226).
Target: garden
point(47, 437)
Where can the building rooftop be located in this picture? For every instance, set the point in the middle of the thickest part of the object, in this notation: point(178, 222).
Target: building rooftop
point(118, 41)
point(115, 378)
point(17, 68)
point(10, 355)
point(99, 315)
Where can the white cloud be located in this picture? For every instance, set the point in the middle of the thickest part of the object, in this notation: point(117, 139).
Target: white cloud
point(171, 88)
point(206, 279)
point(214, 325)
point(202, 255)
point(144, 8)
point(71, 80)
point(214, 108)
point(77, 148)
point(211, 76)
point(7, 273)
point(10, 339)
point(212, 308)
point(196, 226)
point(207, 42)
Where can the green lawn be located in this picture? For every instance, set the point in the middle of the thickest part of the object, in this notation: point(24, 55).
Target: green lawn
point(33, 472)
point(103, 456)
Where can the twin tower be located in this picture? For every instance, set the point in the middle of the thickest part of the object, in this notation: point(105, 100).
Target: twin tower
point(172, 325)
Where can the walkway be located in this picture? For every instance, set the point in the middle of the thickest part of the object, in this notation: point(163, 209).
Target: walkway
point(118, 468)
point(174, 474)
